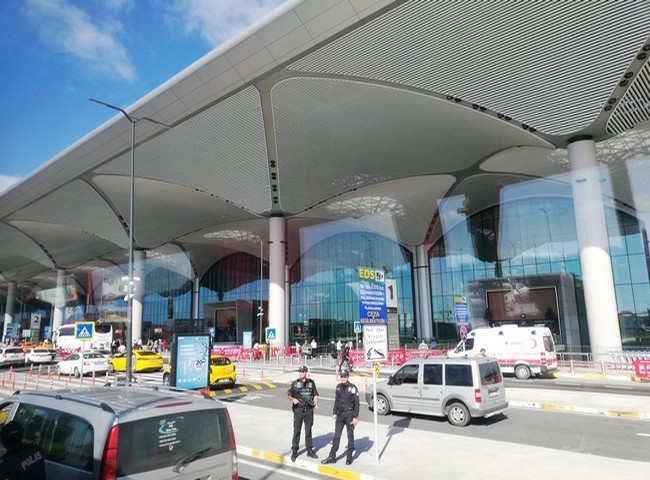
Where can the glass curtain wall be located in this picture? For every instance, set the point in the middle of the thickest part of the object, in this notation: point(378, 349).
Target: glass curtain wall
point(324, 286)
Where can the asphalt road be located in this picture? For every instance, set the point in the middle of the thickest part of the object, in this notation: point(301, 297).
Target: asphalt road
point(606, 436)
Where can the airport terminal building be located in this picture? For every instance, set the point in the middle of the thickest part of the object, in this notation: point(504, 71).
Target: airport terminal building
point(495, 171)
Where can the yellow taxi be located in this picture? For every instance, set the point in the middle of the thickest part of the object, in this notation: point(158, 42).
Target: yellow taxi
point(143, 361)
point(222, 371)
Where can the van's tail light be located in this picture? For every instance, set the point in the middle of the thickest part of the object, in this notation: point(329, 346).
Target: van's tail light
point(108, 467)
point(543, 358)
point(233, 448)
point(477, 395)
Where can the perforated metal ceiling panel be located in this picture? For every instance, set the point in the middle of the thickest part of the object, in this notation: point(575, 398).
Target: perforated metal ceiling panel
point(164, 212)
point(546, 64)
point(221, 151)
point(333, 136)
point(78, 206)
point(634, 107)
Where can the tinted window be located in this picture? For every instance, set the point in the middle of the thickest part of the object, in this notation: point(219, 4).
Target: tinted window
point(102, 328)
point(66, 332)
point(146, 353)
point(548, 344)
point(458, 375)
point(407, 374)
point(64, 438)
point(490, 373)
point(432, 374)
point(160, 442)
point(14, 350)
point(219, 361)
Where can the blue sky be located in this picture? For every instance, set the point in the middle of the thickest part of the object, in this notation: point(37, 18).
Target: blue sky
point(55, 54)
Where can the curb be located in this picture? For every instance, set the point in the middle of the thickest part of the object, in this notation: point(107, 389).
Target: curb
point(584, 410)
point(326, 470)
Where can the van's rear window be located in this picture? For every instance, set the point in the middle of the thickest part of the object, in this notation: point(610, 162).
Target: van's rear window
point(162, 441)
point(490, 373)
point(549, 346)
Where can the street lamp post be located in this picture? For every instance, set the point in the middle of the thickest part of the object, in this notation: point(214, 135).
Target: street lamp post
point(129, 328)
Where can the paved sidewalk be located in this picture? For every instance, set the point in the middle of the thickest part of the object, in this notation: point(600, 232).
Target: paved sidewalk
point(449, 456)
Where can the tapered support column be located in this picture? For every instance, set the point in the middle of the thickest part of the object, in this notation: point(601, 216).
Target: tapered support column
point(196, 288)
point(277, 248)
point(59, 300)
point(9, 307)
point(423, 292)
point(593, 245)
point(139, 257)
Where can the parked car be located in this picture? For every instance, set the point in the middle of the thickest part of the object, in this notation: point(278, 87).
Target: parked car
point(38, 355)
point(458, 388)
point(143, 361)
point(222, 371)
point(92, 362)
point(11, 356)
point(126, 432)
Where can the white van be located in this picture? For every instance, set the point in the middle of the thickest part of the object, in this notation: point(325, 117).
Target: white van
point(458, 388)
point(524, 351)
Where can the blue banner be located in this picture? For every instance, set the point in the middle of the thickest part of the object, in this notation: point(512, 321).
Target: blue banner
point(192, 361)
point(372, 296)
point(460, 306)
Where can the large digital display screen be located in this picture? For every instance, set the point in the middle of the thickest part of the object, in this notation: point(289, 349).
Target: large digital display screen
point(191, 361)
point(523, 303)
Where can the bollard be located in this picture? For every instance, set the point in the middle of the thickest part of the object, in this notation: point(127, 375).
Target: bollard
point(58, 374)
point(93, 380)
point(36, 385)
point(284, 368)
point(69, 377)
point(31, 368)
point(139, 380)
point(106, 382)
point(13, 383)
point(11, 372)
point(243, 373)
point(24, 382)
point(261, 373)
point(3, 380)
point(39, 371)
point(48, 371)
point(51, 383)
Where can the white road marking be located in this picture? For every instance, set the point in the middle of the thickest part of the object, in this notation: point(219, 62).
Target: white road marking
point(285, 472)
point(643, 434)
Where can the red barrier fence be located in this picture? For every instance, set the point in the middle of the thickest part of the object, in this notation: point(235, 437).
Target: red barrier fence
point(642, 368)
point(395, 357)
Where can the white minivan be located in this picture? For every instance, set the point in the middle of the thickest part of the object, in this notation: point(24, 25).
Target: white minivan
point(523, 351)
point(135, 433)
point(458, 388)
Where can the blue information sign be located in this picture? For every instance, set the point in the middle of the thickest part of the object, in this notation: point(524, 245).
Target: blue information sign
point(372, 296)
point(192, 361)
point(460, 306)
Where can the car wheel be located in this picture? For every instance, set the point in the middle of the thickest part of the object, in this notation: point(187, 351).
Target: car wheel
point(383, 408)
point(458, 414)
point(76, 373)
point(166, 379)
point(522, 372)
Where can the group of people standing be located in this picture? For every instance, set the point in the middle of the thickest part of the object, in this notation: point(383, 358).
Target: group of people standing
point(303, 395)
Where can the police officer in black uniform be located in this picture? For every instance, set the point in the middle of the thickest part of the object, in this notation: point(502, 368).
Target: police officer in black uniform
point(346, 413)
point(304, 397)
point(23, 461)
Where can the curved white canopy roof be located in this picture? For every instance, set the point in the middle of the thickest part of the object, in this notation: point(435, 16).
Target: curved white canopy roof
point(336, 109)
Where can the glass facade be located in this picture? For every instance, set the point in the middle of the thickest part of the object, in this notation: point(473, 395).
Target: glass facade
point(324, 286)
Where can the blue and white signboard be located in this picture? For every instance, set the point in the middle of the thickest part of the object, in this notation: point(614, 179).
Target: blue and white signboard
point(460, 306)
point(358, 327)
point(270, 334)
point(372, 296)
point(191, 361)
point(84, 331)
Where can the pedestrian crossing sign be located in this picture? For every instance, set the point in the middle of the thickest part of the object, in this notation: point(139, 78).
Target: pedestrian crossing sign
point(270, 334)
point(84, 331)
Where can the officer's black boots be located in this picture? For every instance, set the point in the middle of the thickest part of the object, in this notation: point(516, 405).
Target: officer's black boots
point(348, 461)
point(329, 459)
point(294, 455)
point(311, 454)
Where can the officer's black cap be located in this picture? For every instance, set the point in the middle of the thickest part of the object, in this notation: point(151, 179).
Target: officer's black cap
point(345, 373)
point(11, 433)
point(303, 368)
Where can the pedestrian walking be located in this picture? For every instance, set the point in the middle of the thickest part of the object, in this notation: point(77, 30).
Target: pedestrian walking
point(303, 394)
point(23, 461)
point(345, 413)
